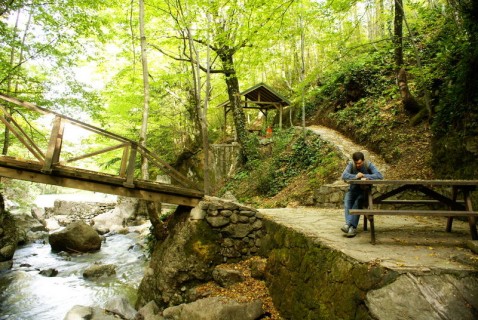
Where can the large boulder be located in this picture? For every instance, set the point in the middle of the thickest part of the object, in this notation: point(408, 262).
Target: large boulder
point(76, 237)
point(216, 308)
point(8, 234)
point(181, 261)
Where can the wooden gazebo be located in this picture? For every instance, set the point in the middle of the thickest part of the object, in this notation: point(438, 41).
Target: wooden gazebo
point(260, 97)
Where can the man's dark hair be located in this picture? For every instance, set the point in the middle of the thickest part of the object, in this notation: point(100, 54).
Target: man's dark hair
point(358, 156)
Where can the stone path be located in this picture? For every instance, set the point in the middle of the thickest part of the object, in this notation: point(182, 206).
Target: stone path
point(403, 243)
point(347, 146)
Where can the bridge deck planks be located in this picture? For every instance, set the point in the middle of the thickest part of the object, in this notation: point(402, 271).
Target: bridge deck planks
point(100, 182)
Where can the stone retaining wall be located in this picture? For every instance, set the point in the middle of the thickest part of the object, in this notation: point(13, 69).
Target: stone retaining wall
point(215, 232)
point(310, 280)
point(240, 227)
point(331, 195)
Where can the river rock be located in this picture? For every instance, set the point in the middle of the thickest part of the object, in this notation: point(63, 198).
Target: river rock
point(88, 313)
point(76, 237)
point(8, 234)
point(29, 228)
point(50, 272)
point(99, 270)
point(226, 277)
point(77, 210)
point(52, 224)
point(120, 306)
point(126, 212)
point(258, 268)
point(150, 312)
point(215, 308)
point(6, 265)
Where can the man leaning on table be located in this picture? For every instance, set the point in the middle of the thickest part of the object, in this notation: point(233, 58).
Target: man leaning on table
point(358, 168)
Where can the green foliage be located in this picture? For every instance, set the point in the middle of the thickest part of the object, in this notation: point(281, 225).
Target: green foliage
point(292, 154)
point(21, 192)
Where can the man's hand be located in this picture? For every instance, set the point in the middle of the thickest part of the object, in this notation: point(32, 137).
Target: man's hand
point(360, 175)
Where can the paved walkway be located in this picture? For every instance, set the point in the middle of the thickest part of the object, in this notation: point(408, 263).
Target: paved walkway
point(403, 243)
point(346, 146)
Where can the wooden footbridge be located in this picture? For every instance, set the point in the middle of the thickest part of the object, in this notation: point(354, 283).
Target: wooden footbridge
point(63, 159)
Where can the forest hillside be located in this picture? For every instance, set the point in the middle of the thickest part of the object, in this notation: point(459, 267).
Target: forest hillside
point(437, 138)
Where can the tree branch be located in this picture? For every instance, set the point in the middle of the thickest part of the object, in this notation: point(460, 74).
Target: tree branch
point(189, 59)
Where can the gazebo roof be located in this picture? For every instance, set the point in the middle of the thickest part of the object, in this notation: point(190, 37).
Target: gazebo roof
point(260, 96)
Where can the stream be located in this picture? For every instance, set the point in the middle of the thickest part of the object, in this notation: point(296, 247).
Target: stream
point(26, 294)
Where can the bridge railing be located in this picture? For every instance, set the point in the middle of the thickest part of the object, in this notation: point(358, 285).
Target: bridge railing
point(50, 154)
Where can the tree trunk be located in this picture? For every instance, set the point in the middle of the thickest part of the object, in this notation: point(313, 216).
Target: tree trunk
point(6, 141)
point(409, 103)
point(398, 34)
point(235, 100)
point(201, 112)
point(144, 60)
point(302, 70)
point(204, 123)
point(159, 227)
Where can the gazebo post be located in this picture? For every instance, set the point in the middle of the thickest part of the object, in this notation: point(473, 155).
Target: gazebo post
point(280, 116)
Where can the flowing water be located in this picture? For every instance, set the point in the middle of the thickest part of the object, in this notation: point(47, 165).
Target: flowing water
point(26, 294)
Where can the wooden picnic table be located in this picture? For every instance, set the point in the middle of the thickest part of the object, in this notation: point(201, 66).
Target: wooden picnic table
point(428, 188)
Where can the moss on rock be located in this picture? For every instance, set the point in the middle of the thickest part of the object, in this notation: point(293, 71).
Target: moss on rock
point(308, 280)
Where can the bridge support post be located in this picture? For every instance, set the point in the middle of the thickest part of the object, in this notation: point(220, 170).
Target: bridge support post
point(130, 170)
point(54, 147)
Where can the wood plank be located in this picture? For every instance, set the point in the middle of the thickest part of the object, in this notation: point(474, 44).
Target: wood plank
point(93, 176)
point(459, 183)
point(397, 201)
point(95, 153)
point(131, 165)
point(97, 186)
point(437, 213)
point(24, 139)
point(20, 163)
point(54, 146)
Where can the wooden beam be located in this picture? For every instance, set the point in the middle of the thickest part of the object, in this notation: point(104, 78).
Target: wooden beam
point(130, 168)
point(78, 123)
point(54, 146)
point(24, 138)
point(124, 161)
point(99, 187)
point(121, 145)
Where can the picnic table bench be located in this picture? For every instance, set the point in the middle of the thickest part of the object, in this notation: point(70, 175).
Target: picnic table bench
point(456, 207)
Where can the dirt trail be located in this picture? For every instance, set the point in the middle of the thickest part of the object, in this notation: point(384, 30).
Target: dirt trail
point(347, 146)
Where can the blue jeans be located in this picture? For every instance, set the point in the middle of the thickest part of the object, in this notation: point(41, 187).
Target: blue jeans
point(353, 200)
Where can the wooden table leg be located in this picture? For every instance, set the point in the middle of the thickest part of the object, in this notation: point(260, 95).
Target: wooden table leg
point(449, 222)
point(370, 218)
point(471, 219)
point(367, 196)
point(366, 192)
point(372, 229)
